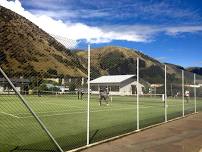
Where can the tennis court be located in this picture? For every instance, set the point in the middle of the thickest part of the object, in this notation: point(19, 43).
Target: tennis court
point(65, 118)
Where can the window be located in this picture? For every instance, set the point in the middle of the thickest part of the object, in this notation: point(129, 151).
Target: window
point(94, 88)
point(114, 88)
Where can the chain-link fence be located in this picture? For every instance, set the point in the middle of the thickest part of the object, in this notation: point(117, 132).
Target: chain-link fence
point(53, 82)
point(198, 93)
point(20, 129)
point(53, 106)
point(113, 101)
point(152, 103)
point(174, 92)
point(189, 103)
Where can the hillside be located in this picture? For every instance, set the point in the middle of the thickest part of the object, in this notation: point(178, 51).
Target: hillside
point(197, 70)
point(27, 50)
point(118, 60)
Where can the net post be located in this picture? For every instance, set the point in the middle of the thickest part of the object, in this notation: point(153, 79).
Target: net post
point(195, 110)
point(137, 87)
point(88, 105)
point(166, 105)
point(183, 93)
point(31, 111)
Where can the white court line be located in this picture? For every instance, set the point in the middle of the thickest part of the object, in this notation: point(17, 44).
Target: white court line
point(80, 112)
point(8, 114)
point(47, 112)
point(78, 108)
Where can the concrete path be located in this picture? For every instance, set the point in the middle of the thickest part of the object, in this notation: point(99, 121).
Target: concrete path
point(183, 135)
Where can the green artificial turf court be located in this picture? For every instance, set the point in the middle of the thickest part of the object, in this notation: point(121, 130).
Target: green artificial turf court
point(65, 117)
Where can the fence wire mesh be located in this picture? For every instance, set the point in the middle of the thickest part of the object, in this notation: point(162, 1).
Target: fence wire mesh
point(19, 130)
point(174, 93)
point(53, 80)
point(198, 93)
point(189, 92)
point(112, 106)
point(152, 105)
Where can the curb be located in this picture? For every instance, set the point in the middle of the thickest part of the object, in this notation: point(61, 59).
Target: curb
point(129, 133)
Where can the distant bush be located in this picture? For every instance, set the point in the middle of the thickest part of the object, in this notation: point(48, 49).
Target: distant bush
point(111, 59)
point(43, 87)
point(94, 73)
point(2, 57)
point(153, 74)
point(72, 87)
point(52, 71)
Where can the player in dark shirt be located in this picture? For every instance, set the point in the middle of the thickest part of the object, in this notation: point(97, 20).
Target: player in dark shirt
point(103, 96)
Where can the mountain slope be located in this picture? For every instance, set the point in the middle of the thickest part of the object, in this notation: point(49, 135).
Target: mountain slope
point(197, 70)
point(118, 60)
point(25, 50)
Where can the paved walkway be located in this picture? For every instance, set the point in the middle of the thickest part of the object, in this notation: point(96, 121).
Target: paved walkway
point(183, 135)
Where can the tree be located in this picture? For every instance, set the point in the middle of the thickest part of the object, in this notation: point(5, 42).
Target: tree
point(72, 87)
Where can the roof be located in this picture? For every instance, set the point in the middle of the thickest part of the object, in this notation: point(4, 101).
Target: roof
point(111, 79)
point(157, 85)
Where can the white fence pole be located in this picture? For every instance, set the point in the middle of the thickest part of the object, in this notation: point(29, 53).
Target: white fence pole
point(166, 105)
point(137, 87)
point(183, 93)
point(195, 110)
point(88, 106)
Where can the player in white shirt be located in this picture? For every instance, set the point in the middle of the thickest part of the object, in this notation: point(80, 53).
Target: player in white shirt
point(187, 95)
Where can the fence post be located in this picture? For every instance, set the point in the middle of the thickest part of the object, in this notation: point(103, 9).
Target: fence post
point(137, 87)
point(166, 105)
point(195, 110)
point(88, 106)
point(31, 111)
point(183, 93)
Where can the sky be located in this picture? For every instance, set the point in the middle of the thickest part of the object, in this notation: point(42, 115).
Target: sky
point(168, 30)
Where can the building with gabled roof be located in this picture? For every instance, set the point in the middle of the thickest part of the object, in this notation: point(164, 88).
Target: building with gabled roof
point(116, 84)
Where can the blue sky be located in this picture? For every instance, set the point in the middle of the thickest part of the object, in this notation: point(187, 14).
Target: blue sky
point(169, 30)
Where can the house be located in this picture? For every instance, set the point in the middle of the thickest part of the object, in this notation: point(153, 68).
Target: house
point(154, 88)
point(22, 85)
point(116, 84)
point(51, 88)
point(68, 80)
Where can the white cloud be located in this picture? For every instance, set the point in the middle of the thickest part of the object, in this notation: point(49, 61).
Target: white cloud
point(161, 59)
point(70, 30)
point(77, 31)
point(183, 29)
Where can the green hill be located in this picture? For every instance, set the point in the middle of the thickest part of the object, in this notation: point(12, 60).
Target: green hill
point(118, 60)
point(197, 70)
point(27, 50)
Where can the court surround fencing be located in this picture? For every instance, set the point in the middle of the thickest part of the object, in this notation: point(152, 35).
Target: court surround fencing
point(50, 113)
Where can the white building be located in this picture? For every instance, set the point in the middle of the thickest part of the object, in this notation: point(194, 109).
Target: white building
point(63, 89)
point(21, 85)
point(116, 84)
